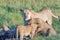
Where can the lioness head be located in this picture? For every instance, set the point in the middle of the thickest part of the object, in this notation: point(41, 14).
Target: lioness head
point(27, 12)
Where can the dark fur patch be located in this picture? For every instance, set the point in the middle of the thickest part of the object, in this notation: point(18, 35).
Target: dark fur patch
point(27, 37)
point(44, 33)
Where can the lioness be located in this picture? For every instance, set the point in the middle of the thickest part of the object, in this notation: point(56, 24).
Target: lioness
point(43, 27)
point(26, 30)
point(46, 15)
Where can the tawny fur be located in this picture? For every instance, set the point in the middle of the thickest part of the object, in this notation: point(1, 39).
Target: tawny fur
point(26, 30)
point(45, 15)
point(43, 26)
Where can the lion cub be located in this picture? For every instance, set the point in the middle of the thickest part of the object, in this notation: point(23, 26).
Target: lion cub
point(26, 30)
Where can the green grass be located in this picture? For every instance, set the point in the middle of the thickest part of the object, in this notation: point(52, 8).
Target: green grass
point(11, 15)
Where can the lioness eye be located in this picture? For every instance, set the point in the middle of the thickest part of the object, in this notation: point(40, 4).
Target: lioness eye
point(37, 23)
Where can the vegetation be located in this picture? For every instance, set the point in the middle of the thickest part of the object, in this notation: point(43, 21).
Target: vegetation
point(10, 14)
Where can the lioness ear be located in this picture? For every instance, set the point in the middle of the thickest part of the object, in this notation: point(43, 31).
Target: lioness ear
point(59, 18)
point(21, 9)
